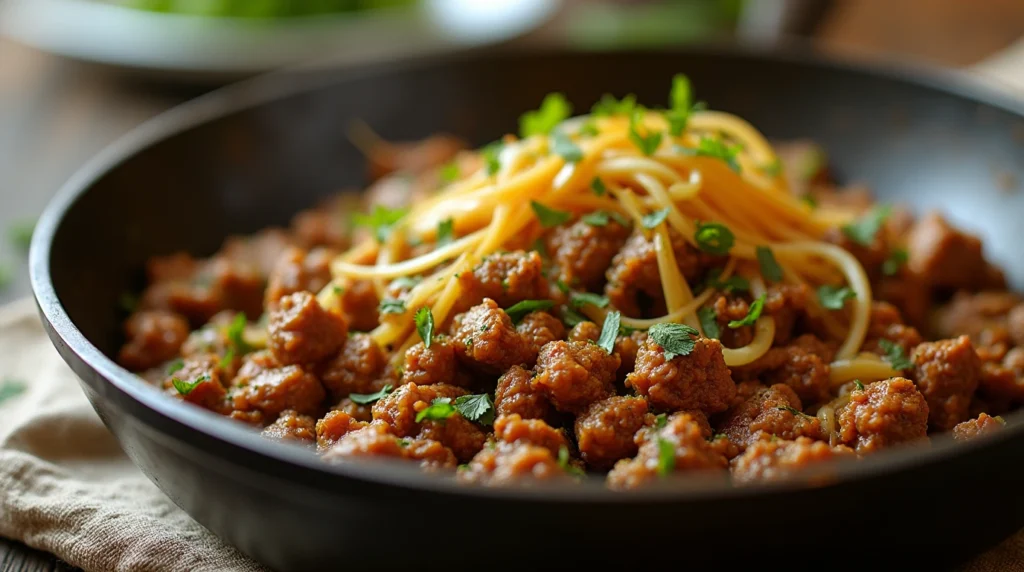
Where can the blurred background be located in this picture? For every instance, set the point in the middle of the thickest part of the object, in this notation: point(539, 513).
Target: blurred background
point(76, 74)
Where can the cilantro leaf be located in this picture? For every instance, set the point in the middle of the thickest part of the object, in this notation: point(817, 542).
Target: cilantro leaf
point(834, 297)
point(228, 359)
point(609, 331)
point(897, 258)
point(596, 218)
point(562, 145)
point(579, 299)
point(792, 410)
point(549, 217)
point(445, 232)
point(449, 173)
point(674, 339)
point(392, 306)
point(10, 388)
point(652, 220)
point(491, 155)
point(729, 285)
point(588, 129)
point(175, 366)
point(597, 185)
point(756, 307)
point(647, 144)
point(895, 355)
point(858, 385)
point(380, 220)
point(571, 317)
point(425, 325)
point(666, 457)
point(236, 337)
point(864, 230)
point(716, 149)
point(660, 421)
point(186, 387)
point(714, 238)
point(770, 268)
point(553, 110)
point(563, 462)
point(368, 398)
point(609, 105)
point(521, 309)
point(440, 408)
point(479, 408)
point(20, 234)
point(541, 249)
point(709, 322)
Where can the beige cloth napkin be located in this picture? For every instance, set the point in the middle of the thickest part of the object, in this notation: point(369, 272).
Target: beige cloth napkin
point(66, 487)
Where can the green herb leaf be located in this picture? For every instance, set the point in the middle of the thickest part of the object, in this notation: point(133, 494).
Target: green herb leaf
point(858, 385)
point(479, 408)
point(571, 317)
point(380, 220)
point(553, 110)
point(186, 387)
point(562, 145)
point(521, 309)
point(716, 149)
point(368, 398)
point(674, 339)
point(175, 366)
point(445, 232)
point(647, 144)
point(563, 462)
point(652, 220)
point(236, 335)
point(228, 359)
point(541, 249)
point(770, 269)
point(864, 230)
point(729, 285)
point(660, 421)
point(588, 129)
point(20, 233)
point(549, 217)
point(562, 286)
point(897, 258)
point(10, 388)
point(709, 322)
point(449, 172)
point(773, 169)
point(834, 297)
point(425, 325)
point(392, 306)
point(714, 238)
point(666, 457)
point(440, 408)
point(597, 185)
point(608, 105)
point(894, 355)
point(681, 103)
point(609, 331)
point(792, 410)
point(596, 218)
point(756, 307)
point(492, 157)
point(579, 299)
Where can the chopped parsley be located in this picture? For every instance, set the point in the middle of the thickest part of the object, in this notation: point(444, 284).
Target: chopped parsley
point(609, 105)
point(492, 157)
point(858, 385)
point(562, 145)
point(236, 334)
point(553, 110)
point(392, 306)
point(186, 387)
point(579, 299)
point(666, 457)
point(563, 462)
point(709, 322)
point(571, 317)
point(425, 325)
point(445, 232)
point(548, 216)
point(674, 339)
point(652, 220)
point(660, 421)
point(896, 259)
point(609, 331)
point(716, 149)
point(864, 230)
point(770, 268)
point(479, 408)
point(597, 185)
point(380, 220)
point(680, 100)
point(228, 359)
point(20, 234)
point(368, 398)
point(596, 218)
point(175, 366)
point(440, 408)
point(449, 172)
point(729, 285)
point(10, 388)
point(756, 307)
point(834, 297)
point(714, 238)
point(588, 129)
point(895, 355)
point(521, 309)
point(792, 410)
point(773, 169)
point(647, 144)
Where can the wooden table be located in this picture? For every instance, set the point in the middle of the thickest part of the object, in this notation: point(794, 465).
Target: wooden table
point(55, 114)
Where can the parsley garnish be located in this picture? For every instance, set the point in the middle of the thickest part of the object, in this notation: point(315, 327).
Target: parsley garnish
point(571, 317)
point(792, 410)
point(368, 398)
point(608, 105)
point(729, 285)
point(491, 155)
point(479, 408)
point(553, 110)
point(10, 388)
point(425, 325)
point(609, 331)
point(175, 366)
point(380, 220)
point(863, 231)
point(185, 387)
point(666, 457)
point(674, 339)
point(228, 359)
point(652, 220)
point(579, 299)
point(549, 217)
point(647, 144)
point(445, 232)
point(897, 258)
point(858, 385)
point(236, 334)
point(894, 355)
point(562, 145)
point(521, 309)
point(770, 268)
point(563, 461)
point(596, 218)
point(588, 129)
point(440, 409)
point(834, 297)
point(597, 185)
point(709, 322)
point(660, 421)
point(716, 149)
point(756, 307)
point(449, 172)
point(392, 306)
point(20, 234)
point(714, 238)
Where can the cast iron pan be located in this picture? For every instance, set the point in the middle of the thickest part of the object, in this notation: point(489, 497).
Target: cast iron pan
point(254, 154)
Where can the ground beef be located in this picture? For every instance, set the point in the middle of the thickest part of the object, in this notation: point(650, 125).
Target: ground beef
point(209, 393)
point(513, 464)
point(290, 426)
point(436, 364)
point(729, 307)
point(769, 411)
point(152, 338)
point(515, 429)
point(883, 414)
point(327, 224)
point(947, 373)
point(539, 328)
point(302, 332)
point(572, 375)
point(1001, 383)
point(887, 323)
point(486, 341)
point(515, 395)
point(359, 305)
point(506, 278)
point(582, 252)
point(432, 455)
point(334, 426)
point(1015, 324)
point(909, 293)
point(462, 436)
point(724, 446)
point(971, 314)
point(699, 380)
point(605, 430)
point(871, 256)
point(360, 412)
point(260, 251)
point(584, 331)
point(299, 271)
point(946, 257)
point(972, 428)
point(626, 347)
point(777, 460)
point(691, 452)
point(264, 385)
point(399, 410)
point(375, 440)
point(802, 365)
point(786, 304)
point(237, 285)
point(357, 368)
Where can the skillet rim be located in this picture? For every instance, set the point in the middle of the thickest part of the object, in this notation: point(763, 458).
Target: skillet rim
point(254, 451)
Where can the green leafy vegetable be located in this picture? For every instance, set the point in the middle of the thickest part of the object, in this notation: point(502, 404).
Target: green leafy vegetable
point(792, 410)
point(236, 335)
point(449, 172)
point(895, 355)
point(660, 421)
point(858, 385)
point(579, 299)
point(425, 325)
point(445, 232)
point(652, 220)
point(588, 129)
point(864, 230)
point(392, 306)
point(609, 331)
point(597, 185)
point(571, 317)
point(666, 457)
point(770, 268)
point(440, 408)
point(175, 366)
point(479, 408)
point(647, 144)
point(368, 398)
point(714, 238)
point(716, 149)
point(834, 297)
point(596, 218)
point(541, 249)
point(674, 339)
point(186, 387)
point(897, 258)
point(380, 221)
point(521, 309)
point(549, 217)
point(20, 233)
point(756, 307)
point(729, 285)
point(681, 104)
point(10, 388)
point(563, 462)
point(553, 110)
point(228, 359)
point(609, 105)
point(492, 157)
point(709, 322)
point(562, 145)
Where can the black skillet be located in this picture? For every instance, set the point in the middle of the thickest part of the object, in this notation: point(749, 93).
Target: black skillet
point(252, 155)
